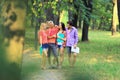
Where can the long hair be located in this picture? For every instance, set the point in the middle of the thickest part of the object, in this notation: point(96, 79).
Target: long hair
point(63, 26)
point(42, 26)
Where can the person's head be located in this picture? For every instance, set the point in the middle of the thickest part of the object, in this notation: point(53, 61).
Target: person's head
point(50, 24)
point(69, 24)
point(62, 26)
point(47, 25)
point(43, 26)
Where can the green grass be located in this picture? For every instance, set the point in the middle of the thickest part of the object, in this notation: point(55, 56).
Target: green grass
point(99, 58)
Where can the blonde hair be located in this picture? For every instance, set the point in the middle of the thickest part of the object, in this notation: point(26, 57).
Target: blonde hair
point(42, 26)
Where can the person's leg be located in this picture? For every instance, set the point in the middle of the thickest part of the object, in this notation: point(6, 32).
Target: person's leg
point(74, 59)
point(45, 57)
point(42, 61)
point(61, 55)
point(58, 50)
point(49, 53)
point(54, 49)
point(69, 55)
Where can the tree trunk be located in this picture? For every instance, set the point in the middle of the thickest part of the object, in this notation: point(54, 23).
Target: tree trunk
point(114, 21)
point(85, 31)
point(49, 14)
point(88, 4)
point(72, 15)
point(13, 16)
point(80, 20)
point(75, 19)
point(118, 6)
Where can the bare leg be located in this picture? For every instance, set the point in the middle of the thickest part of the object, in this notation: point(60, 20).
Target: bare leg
point(61, 56)
point(48, 54)
point(74, 59)
point(70, 59)
point(45, 57)
point(42, 61)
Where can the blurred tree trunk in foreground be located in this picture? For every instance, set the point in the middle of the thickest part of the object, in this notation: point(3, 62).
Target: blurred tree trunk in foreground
point(118, 6)
point(12, 38)
point(114, 18)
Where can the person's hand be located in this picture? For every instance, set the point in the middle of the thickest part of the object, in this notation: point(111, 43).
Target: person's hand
point(56, 25)
point(59, 37)
point(41, 45)
point(54, 35)
point(75, 45)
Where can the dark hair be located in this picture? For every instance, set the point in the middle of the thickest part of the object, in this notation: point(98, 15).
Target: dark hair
point(63, 26)
point(70, 23)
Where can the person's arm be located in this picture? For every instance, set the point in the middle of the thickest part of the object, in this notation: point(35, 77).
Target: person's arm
point(76, 38)
point(64, 39)
point(39, 38)
point(54, 36)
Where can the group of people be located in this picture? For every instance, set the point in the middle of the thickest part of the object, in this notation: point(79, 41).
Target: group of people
point(56, 38)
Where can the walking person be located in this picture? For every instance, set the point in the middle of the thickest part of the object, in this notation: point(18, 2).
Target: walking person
point(71, 40)
point(43, 41)
point(52, 35)
point(61, 38)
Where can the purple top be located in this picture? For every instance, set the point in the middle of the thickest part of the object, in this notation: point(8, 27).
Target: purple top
point(72, 37)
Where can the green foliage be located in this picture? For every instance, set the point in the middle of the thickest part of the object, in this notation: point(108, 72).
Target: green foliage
point(102, 13)
point(101, 10)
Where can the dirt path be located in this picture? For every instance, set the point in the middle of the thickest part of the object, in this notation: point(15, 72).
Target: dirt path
point(31, 69)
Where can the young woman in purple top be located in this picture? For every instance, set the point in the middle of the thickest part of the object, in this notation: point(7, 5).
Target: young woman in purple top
point(72, 40)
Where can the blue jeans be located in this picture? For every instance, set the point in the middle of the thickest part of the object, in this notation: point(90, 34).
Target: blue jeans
point(52, 46)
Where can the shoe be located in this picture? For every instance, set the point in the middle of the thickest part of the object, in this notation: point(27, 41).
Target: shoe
point(43, 68)
point(59, 67)
point(50, 67)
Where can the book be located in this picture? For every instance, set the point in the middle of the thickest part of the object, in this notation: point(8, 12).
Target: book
point(75, 50)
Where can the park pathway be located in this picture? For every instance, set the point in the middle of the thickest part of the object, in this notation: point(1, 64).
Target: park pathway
point(32, 71)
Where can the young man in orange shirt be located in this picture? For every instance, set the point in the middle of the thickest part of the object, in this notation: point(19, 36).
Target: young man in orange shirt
point(52, 35)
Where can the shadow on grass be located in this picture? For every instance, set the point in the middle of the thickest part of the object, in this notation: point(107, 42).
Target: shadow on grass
point(30, 66)
point(81, 76)
point(79, 73)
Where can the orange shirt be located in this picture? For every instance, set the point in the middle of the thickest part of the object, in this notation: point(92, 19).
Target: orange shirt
point(43, 34)
point(51, 32)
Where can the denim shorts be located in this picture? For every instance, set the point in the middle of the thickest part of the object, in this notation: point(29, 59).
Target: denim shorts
point(69, 49)
point(44, 46)
point(59, 46)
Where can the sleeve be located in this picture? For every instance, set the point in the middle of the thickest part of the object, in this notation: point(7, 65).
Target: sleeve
point(76, 36)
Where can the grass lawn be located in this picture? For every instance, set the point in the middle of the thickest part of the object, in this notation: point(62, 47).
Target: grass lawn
point(99, 58)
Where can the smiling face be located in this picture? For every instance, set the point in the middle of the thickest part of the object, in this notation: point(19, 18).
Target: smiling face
point(69, 24)
point(51, 24)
